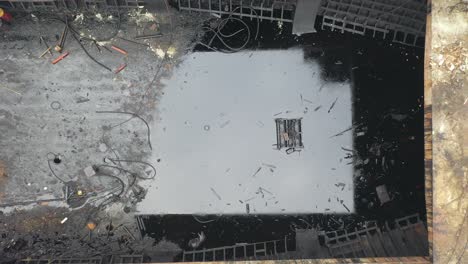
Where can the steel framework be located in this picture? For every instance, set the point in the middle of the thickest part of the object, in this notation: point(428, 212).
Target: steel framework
point(238, 252)
point(403, 237)
point(96, 260)
point(71, 5)
point(402, 20)
point(276, 10)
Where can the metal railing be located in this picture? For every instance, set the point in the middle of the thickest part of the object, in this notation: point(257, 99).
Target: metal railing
point(404, 20)
point(373, 241)
point(95, 260)
point(71, 5)
point(275, 10)
point(238, 251)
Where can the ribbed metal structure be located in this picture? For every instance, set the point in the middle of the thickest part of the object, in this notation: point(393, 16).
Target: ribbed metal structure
point(401, 21)
point(71, 5)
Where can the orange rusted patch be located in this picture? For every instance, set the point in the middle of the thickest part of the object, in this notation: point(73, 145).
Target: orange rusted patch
point(91, 226)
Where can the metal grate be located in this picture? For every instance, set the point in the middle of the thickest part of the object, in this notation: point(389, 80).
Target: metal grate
point(275, 10)
point(36, 5)
point(289, 133)
point(403, 237)
point(96, 260)
point(402, 20)
point(238, 252)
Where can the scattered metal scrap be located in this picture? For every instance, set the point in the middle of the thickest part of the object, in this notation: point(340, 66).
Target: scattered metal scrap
point(215, 193)
point(129, 233)
point(158, 35)
point(134, 42)
point(203, 221)
point(257, 171)
point(292, 150)
point(260, 190)
point(48, 48)
point(196, 242)
point(121, 67)
point(61, 57)
point(340, 184)
point(269, 165)
point(120, 50)
point(250, 199)
point(78, 37)
point(224, 124)
point(63, 38)
point(342, 132)
point(222, 36)
point(344, 205)
point(332, 105)
point(45, 52)
point(321, 87)
point(345, 149)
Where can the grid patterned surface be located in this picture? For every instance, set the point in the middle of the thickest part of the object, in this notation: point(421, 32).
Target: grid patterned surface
point(276, 10)
point(34, 5)
point(402, 20)
point(96, 260)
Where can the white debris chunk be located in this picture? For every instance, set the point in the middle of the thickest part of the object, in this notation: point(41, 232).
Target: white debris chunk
point(64, 220)
point(382, 194)
point(102, 147)
point(89, 171)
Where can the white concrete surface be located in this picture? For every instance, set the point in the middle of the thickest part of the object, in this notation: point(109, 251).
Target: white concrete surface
point(216, 129)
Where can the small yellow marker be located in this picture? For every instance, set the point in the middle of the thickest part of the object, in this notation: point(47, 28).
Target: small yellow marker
point(79, 192)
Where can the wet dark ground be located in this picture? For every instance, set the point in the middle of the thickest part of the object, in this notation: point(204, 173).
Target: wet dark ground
point(387, 81)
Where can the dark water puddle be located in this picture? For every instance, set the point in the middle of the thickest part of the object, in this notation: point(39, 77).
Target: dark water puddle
point(387, 83)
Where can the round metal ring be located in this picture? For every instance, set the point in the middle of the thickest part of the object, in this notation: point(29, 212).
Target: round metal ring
point(56, 105)
point(51, 156)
